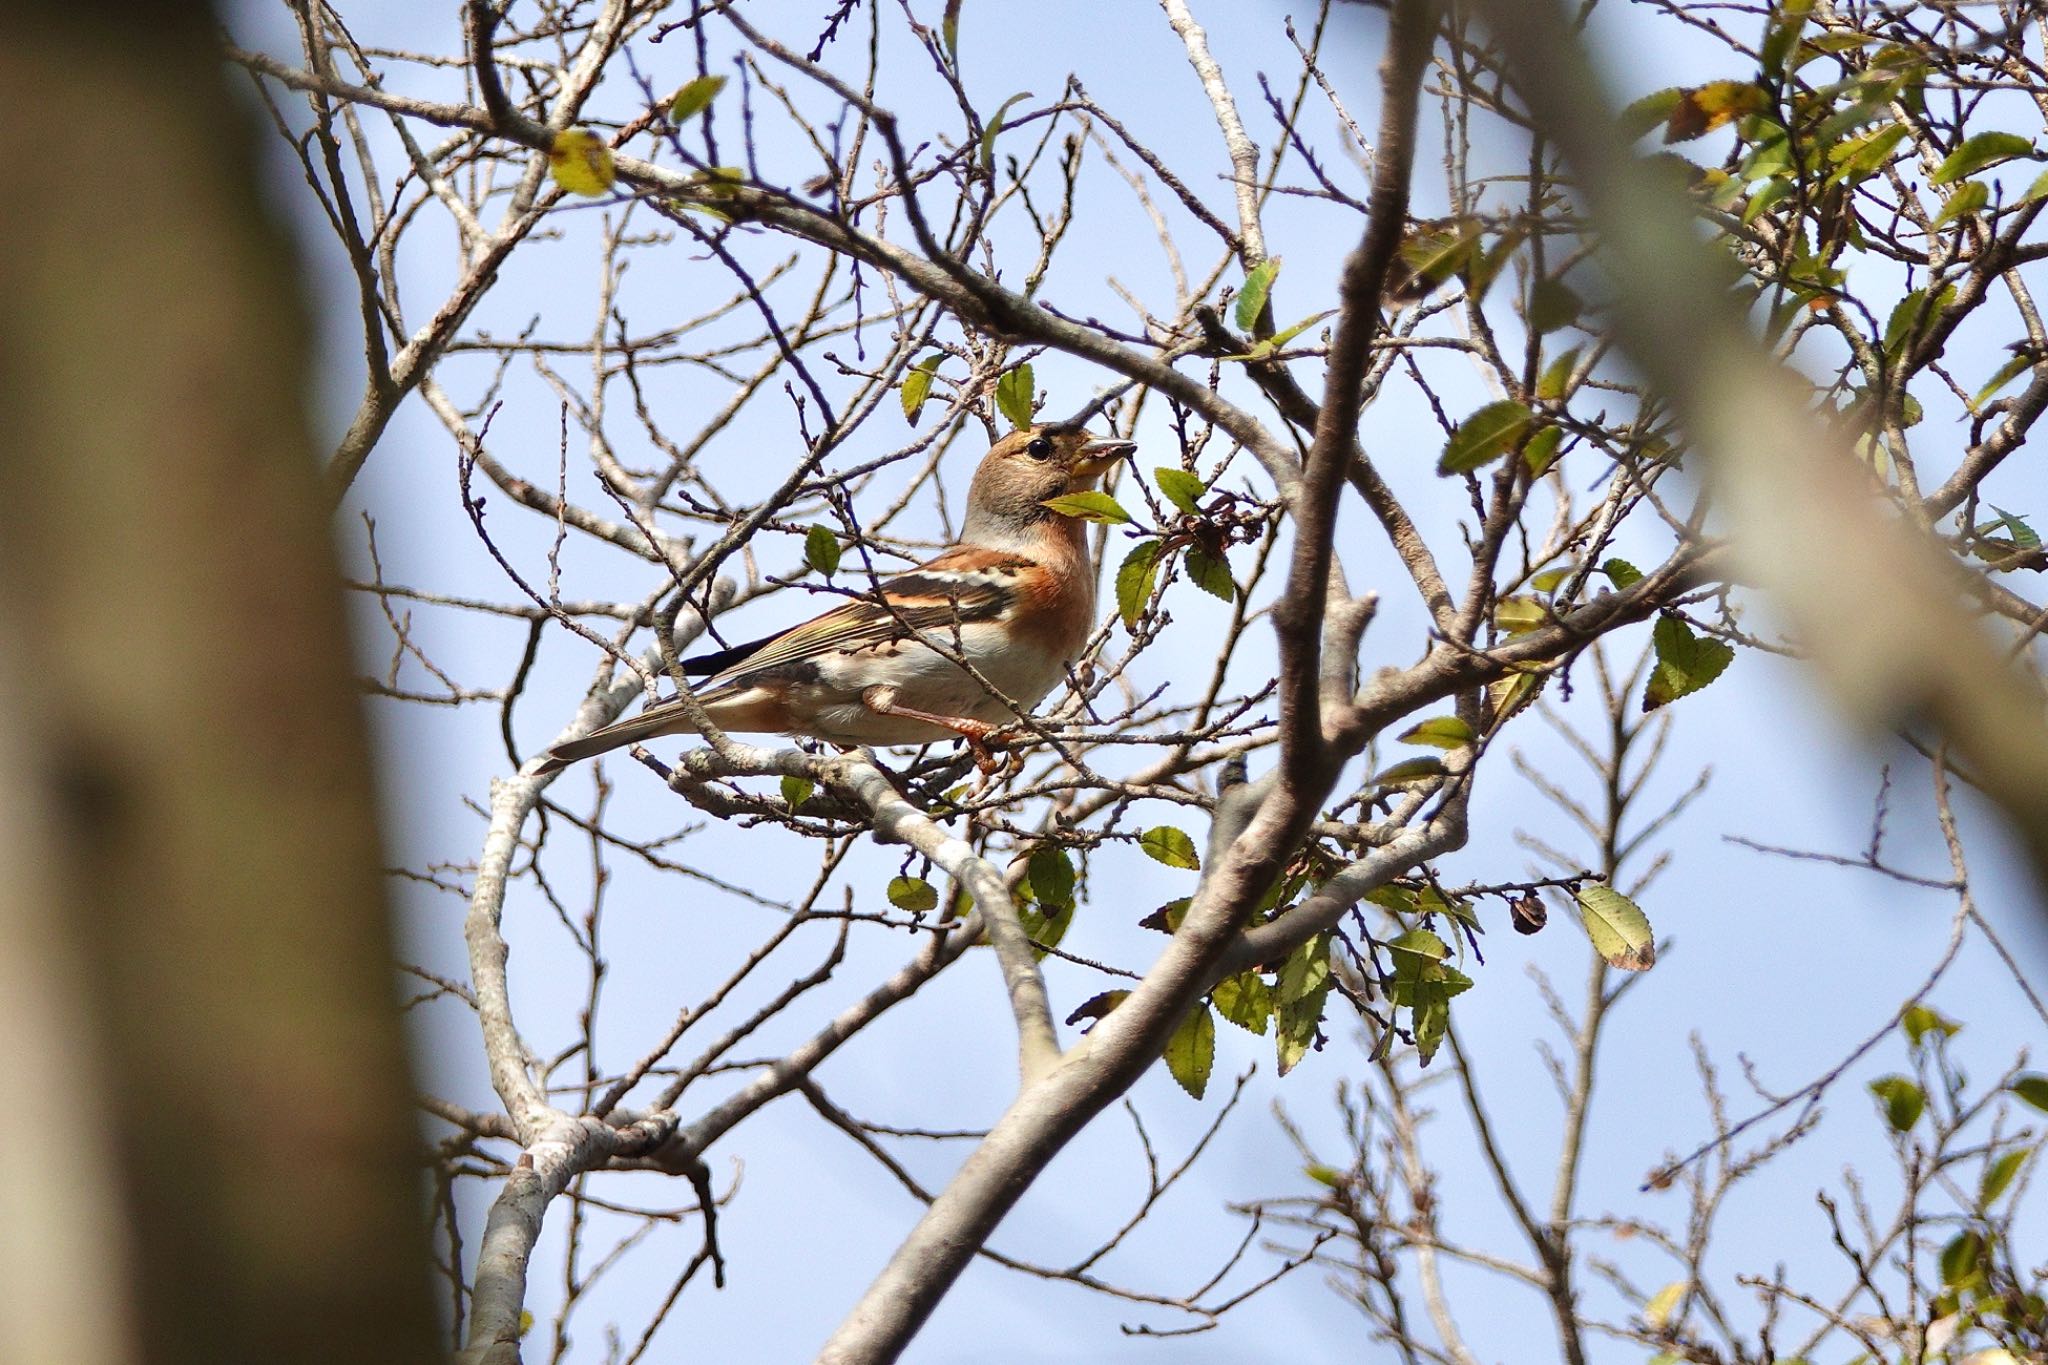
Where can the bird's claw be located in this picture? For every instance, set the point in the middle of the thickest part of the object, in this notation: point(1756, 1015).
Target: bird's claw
point(984, 746)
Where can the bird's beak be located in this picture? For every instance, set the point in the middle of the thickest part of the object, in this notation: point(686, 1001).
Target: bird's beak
point(1096, 457)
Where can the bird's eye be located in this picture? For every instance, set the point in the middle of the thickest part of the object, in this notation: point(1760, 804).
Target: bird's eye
point(1039, 449)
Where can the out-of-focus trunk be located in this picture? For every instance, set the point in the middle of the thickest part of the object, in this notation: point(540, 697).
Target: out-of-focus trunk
point(208, 1153)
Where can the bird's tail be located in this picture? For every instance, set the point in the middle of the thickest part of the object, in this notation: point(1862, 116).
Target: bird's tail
point(658, 720)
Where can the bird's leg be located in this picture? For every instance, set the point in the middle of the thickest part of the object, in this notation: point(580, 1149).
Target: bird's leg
point(979, 734)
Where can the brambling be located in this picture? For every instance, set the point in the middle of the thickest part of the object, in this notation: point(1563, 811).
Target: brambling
point(1014, 600)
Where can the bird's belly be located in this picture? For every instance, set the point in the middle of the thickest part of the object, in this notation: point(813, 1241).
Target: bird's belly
point(924, 680)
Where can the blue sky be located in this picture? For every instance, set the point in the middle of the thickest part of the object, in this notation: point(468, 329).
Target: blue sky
point(1787, 963)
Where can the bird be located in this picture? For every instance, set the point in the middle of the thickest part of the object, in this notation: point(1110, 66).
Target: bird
point(1014, 598)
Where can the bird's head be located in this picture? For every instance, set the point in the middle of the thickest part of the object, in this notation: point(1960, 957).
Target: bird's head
point(1024, 469)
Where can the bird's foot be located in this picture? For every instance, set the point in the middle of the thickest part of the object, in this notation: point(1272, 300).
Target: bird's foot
point(993, 749)
point(984, 753)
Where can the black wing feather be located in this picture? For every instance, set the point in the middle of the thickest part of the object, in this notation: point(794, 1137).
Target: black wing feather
point(704, 665)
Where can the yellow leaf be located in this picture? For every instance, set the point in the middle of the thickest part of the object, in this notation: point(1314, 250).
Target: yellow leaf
point(1510, 694)
point(719, 181)
point(581, 162)
point(1657, 1312)
point(1620, 931)
point(695, 98)
point(1704, 108)
point(1519, 615)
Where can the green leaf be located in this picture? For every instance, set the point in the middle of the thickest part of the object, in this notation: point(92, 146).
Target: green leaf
point(1211, 574)
point(1409, 770)
point(1303, 973)
point(1622, 573)
point(1910, 315)
point(694, 98)
point(1782, 37)
point(1978, 151)
point(914, 894)
point(1484, 267)
point(1440, 732)
point(1134, 580)
point(1718, 189)
point(1245, 1000)
point(1902, 1101)
point(796, 791)
point(2018, 538)
point(1769, 158)
point(1864, 155)
point(1541, 452)
point(821, 550)
point(1962, 1257)
point(1999, 1174)
point(2036, 190)
point(1302, 986)
point(1553, 304)
point(1485, 436)
point(1181, 488)
point(1251, 300)
point(1165, 844)
point(1091, 505)
point(1045, 926)
point(949, 30)
point(1392, 896)
point(1429, 1009)
point(1429, 255)
point(1191, 1051)
point(1015, 395)
point(1052, 875)
point(1268, 345)
point(1651, 111)
point(1324, 1175)
point(1850, 116)
point(1551, 579)
point(917, 385)
point(1557, 374)
point(2011, 370)
point(2023, 536)
point(1969, 197)
point(1763, 197)
point(1420, 943)
point(1918, 1021)
point(991, 128)
point(1685, 662)
point(1620, 931)
point(1431, 901)
point(2033, 1088)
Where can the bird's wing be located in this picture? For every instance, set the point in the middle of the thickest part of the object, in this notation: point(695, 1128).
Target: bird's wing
point(964, 584)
